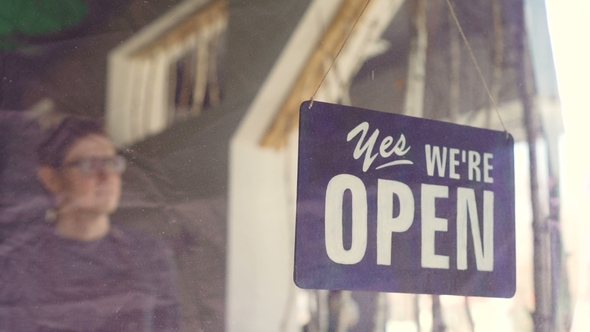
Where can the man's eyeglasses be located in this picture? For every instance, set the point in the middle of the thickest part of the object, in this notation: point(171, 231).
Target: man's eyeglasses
point(93, 165)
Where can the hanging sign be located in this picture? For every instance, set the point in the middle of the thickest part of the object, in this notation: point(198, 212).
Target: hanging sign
point(393, 203)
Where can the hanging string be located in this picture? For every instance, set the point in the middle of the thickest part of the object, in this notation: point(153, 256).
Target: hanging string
point(337, 54)
point(476, 65)
point(462, 36)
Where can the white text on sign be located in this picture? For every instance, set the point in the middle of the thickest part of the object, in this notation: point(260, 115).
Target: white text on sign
point(437, 158)
point(366, 148)
point(477, 167)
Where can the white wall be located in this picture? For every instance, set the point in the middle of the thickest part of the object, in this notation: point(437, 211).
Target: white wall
point(567, 19)
point(260, 288)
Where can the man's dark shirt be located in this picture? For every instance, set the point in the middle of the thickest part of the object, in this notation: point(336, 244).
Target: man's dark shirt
point(122, 282)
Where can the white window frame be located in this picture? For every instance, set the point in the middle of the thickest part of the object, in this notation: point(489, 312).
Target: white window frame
point(138, 73)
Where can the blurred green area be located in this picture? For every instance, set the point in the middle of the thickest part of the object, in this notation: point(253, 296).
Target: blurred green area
point(22, 18)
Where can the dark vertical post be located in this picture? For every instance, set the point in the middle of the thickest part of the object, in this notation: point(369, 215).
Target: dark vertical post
point(543, 315)
point(438, 324)
point(414, 97)
point(498, 56)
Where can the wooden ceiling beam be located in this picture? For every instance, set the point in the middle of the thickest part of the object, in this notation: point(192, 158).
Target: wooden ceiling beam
point(287, 118)
point(206, 16)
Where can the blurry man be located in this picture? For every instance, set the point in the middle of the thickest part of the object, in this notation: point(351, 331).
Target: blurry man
point(80, 273)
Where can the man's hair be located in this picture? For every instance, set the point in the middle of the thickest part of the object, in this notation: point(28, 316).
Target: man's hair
point(56, 142)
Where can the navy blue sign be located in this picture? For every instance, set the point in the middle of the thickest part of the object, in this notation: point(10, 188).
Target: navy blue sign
point(393, 203)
